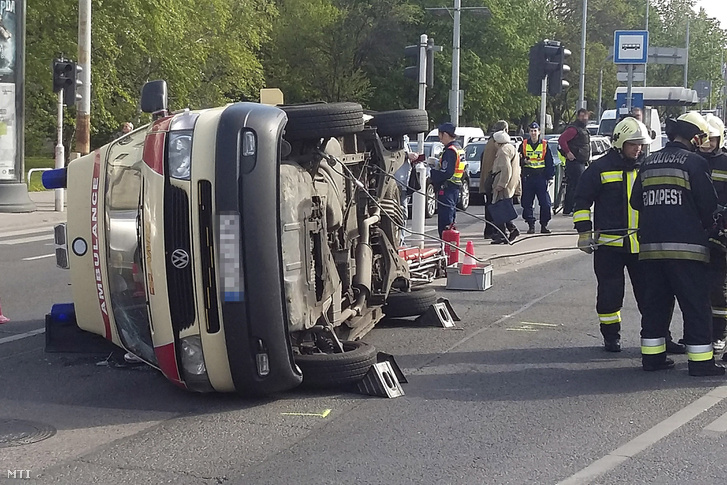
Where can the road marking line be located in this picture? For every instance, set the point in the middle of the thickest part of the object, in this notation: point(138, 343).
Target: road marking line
point(27, 239)
point(647, 438)
point(32, 258)
point(485, 328)
point(21, 336)
point(25, 232)
point(522, 329)
point(318, 415)
point(716, 427)
point(541, 324)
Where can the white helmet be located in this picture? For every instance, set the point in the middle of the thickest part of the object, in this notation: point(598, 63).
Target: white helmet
point(716, 129)
point(630, 130)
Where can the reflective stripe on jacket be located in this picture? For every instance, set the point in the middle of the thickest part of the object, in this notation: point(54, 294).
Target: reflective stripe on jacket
point(675, 199)
point(607, 185)
point(534, 158)
point(456, 178)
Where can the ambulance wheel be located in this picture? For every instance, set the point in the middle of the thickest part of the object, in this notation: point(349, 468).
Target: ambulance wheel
point(401, 122)
point(311, 121)
point(332, 370)
point(409, 303)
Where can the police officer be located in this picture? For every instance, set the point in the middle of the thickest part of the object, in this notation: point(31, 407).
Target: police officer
point(606, 184)
point(715, 155)
point(676, 200)
point(447, 179)
point(575, 142)
point(537, 171)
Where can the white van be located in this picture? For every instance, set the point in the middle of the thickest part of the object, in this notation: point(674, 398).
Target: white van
point(465, 134)
point(609, 118)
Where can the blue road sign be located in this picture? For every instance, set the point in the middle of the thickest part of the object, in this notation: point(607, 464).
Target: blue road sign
point(630, 46)
point(637, 100)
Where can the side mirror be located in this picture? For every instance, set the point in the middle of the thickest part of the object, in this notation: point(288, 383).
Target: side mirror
point(154, 97)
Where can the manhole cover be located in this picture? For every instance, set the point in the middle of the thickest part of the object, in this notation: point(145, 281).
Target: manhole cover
point(18, 432)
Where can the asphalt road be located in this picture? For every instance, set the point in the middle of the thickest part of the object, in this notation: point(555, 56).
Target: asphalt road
point(519, 392)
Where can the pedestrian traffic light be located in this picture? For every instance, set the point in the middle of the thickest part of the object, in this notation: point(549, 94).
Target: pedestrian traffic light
point(535, 69)
point(71, 95)
point(556, 83)
point(62, 74)
point(412, 52)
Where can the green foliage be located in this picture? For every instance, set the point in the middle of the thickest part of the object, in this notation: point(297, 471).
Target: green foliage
point(336, 50)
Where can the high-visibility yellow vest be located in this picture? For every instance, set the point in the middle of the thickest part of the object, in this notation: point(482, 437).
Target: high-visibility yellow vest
point(534, 157)
point(459, 167)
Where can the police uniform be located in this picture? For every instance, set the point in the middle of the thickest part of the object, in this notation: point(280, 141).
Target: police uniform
point(607, 184)
point(448, 183)
point(675, 199)
point(537, 170)
point(718, 259)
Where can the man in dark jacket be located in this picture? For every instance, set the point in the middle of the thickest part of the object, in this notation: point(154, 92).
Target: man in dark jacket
point(715, 155)
point(676, 202)
point(575, 142)
point(447, 179)
point(537, 171)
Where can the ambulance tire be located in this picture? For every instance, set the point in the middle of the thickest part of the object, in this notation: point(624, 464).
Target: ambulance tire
point(401, 122)
point(313, 121)
point(335, 370)
point(412, 303)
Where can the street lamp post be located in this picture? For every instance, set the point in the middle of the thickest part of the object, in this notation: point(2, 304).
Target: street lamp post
point(582, 86)
point(455, 13)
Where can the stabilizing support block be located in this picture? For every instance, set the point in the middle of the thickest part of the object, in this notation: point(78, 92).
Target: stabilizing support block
point(440, 313)
point(381, 381)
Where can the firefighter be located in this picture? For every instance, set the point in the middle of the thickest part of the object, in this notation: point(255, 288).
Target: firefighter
point(537, 172)
point(676, 202)
point(447, 179)
point(606, 184)
point(715, 155)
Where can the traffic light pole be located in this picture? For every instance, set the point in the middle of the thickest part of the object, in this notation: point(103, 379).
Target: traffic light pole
point(543, 99)
point(419, 197)
point(60, 151)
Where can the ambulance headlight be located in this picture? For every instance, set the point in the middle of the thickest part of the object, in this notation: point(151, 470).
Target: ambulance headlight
point(179, 154)
point(192, 356)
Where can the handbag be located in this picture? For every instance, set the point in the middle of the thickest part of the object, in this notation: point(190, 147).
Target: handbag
point(502, 211)
point(413, 183)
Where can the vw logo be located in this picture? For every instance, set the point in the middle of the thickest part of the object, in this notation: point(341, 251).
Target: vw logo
point(180, 258)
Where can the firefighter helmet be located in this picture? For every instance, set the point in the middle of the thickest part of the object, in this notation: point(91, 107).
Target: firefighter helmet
point(630, 130)
point(691, 126)
point(716, 129)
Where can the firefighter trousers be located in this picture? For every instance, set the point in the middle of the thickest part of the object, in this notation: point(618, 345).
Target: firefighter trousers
point(683, 279)
point(609, 265)
point(718, 292)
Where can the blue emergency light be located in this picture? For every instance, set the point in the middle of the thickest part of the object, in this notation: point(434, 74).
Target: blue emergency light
point(54, 179)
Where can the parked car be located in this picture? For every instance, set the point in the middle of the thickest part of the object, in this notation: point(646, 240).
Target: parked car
point(465, 134)
point(237, 248)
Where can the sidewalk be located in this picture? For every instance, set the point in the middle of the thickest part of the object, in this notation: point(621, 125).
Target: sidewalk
point(44, 215)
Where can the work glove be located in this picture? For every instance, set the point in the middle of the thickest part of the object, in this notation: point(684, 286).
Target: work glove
point(587, 242)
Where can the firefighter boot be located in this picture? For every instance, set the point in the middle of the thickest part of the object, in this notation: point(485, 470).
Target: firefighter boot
point(544, 229)
point(531, 227)
point(656, 362)
point(705, 368)
point(675, 347)
point(612, 343)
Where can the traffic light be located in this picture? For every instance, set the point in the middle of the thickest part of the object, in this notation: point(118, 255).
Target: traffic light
point(62, 74)
point(412, 52)
point(556, 83)
point(70, 95)
point(430, 61)
point(65, 78)
point(536, 71)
